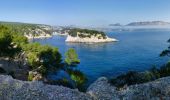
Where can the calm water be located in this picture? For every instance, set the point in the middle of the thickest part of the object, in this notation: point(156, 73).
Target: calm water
point(136, 50)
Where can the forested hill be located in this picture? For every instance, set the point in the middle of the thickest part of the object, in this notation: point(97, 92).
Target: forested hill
point(27, 28)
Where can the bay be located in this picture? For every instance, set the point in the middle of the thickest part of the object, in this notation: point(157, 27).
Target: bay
point(136, 50)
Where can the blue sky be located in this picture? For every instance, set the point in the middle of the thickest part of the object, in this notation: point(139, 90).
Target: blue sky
point(84, 12)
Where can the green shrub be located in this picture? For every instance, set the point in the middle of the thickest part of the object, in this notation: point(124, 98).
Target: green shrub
point(133, 77)
point(42, 57)
point(71, 57)
point(30, 77)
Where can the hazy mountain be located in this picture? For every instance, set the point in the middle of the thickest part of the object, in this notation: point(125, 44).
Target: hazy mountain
point(148, 23)
point(117, 24)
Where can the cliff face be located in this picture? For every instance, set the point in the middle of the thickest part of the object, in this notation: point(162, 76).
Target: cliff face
point(88, 36)
point(11, 89)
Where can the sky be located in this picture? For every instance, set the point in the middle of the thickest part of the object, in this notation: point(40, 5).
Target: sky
point(84, 12)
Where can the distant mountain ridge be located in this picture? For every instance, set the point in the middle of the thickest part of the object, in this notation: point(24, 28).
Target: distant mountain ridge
point(148, 23)
point(117, 24)
point(142, 23)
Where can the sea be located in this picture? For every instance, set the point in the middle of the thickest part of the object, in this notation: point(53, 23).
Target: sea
point(136, 50)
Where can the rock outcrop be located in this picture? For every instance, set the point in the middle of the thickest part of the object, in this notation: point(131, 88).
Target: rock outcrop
point(156, 90)
point(92, 39)
point(11, 89)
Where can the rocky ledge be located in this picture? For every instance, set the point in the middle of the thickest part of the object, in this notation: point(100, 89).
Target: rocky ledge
point(11, 89)
point(89, 40)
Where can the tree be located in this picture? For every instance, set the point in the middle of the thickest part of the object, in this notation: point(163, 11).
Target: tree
point(166, 52)
point(7, 48)
point(42, 57)
point(19, 40)
point(77, 76)
point(71, 57)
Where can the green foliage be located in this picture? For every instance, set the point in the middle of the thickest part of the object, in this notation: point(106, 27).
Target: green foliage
point(165, 70)
point(77, 76)
point(79, 79)
point(24, 28)
point(30, 77)
point(42, 58)
point(133, 77)
point(7, 48)
point(88, 33)
point(156, 72)
point(20, 40)
point(129, 78)
point(71, 57)
point(166, 52)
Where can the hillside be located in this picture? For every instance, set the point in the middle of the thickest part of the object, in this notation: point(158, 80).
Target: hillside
point(29, 30)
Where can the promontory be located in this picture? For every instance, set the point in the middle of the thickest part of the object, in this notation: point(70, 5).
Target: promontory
point(88, 36)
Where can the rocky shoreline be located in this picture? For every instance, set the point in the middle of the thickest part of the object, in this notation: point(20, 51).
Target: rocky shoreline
point(12, 89)
point(38, 37)
point(89, 40)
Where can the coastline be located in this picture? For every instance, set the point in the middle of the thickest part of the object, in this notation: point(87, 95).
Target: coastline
point(89, 40)
point(38, 37)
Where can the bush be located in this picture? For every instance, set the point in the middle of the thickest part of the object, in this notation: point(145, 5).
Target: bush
point(71, 57)
point(129, 78)
point(79, 79)
point(165, 70)
point(42, 58)
point(30, 77)
point(133, 77)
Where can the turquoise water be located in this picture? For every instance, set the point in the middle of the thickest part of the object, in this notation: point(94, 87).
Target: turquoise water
point(136, 50)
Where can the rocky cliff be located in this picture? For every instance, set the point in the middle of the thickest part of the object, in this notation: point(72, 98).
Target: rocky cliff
point(11, 89)
point(88, 36)
point(92, 39)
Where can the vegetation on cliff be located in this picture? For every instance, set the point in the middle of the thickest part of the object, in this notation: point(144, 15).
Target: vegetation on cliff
point(27, 29)
point(83, 33)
